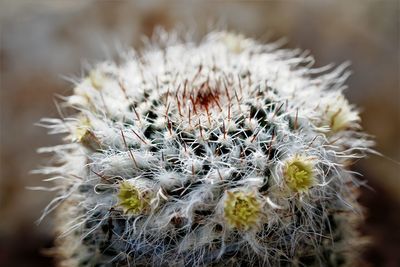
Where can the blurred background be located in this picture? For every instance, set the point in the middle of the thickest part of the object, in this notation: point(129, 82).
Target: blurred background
point(42, 41)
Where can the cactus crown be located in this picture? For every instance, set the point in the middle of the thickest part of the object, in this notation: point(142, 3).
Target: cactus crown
point(227, 151)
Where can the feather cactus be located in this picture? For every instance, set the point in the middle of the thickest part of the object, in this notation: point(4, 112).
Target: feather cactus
point(226, 152)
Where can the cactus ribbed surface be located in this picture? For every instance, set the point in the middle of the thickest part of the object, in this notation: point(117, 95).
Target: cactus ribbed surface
point(226, 152)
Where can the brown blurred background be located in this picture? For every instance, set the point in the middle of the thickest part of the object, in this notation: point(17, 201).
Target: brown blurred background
point(42, 40)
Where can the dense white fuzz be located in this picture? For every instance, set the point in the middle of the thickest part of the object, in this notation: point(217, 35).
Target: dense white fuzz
point(228, 151)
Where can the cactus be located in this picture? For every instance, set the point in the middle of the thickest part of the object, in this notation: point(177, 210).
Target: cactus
point(226, 152)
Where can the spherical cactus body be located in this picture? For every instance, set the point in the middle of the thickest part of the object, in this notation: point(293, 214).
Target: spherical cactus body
point(226, 152)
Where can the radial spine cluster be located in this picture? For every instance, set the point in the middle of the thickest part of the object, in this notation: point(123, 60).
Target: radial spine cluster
point(226, 152)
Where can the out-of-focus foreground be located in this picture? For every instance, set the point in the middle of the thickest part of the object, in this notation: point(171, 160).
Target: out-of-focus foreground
point(42, 40)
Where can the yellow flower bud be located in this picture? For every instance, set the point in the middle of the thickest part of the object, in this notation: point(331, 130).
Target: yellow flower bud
point(242, 210)
point(298, 174)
